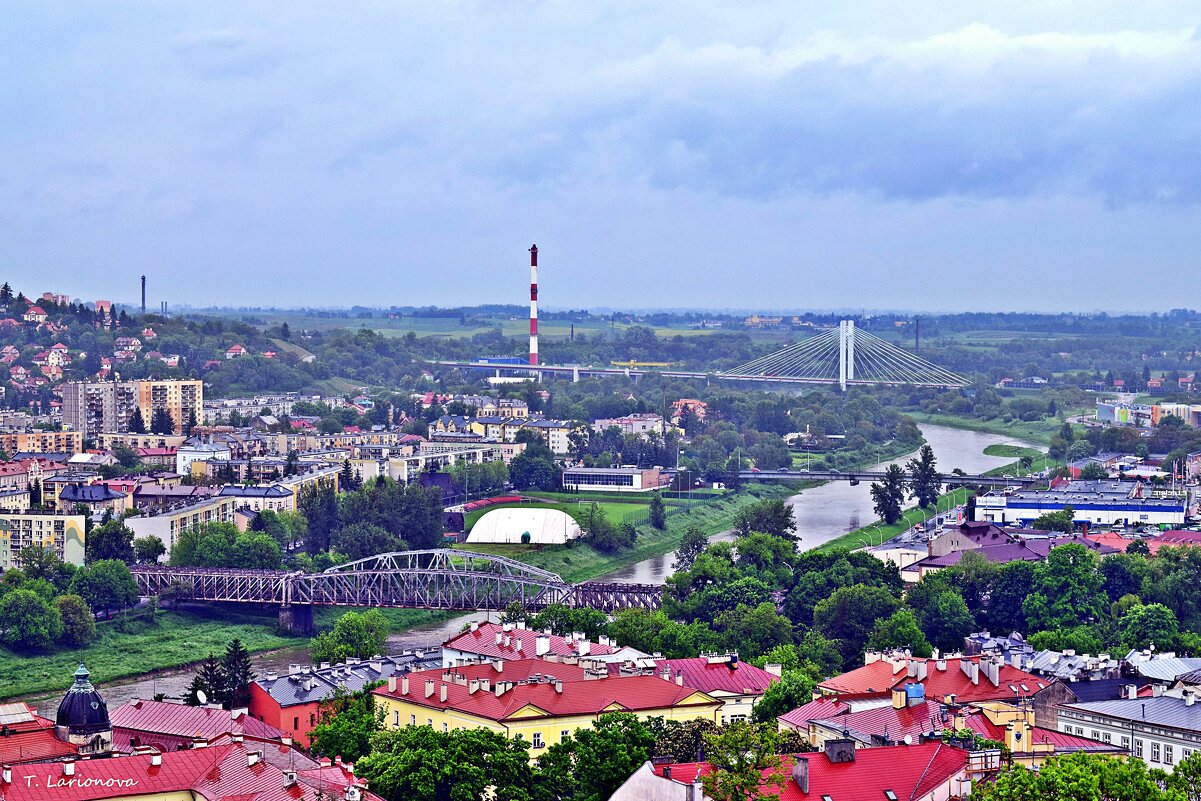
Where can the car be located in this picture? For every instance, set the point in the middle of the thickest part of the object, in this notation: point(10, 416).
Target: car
point(783, 469)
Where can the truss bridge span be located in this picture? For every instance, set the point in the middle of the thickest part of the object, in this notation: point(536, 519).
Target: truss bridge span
point(432, 579)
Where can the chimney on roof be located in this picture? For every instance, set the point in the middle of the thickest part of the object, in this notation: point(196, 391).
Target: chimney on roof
point(584, 647)
point(498, 665)
point(499, 638)
point(517, 645)
point(473, 686)
point(1131, 691)
point(253, 758)
point(404, 685)
point(156, 759)
point(475, 625)
point(541, 645)
point(680, 679)
point(665, 674)
point(429, 687)
point(391, 684)
point(840, 750)
point(442, 694)
point(558, 686)
point(774, 668)
point(1190, 698)
point(800, 773)
point(289, 778)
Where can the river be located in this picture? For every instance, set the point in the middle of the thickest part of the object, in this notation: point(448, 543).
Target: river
point(832, 509)
point(822, 514)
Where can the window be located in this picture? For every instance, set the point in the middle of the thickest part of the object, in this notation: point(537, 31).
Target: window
point(1107, 737)
point(1094, 734)
point(295, 723)
point(412, 719)
point(538, 740)
point(1126, 743)
point(396, 720)
point(563, 735)
point(429, 722)
point(1168, 753)
point(1185, 753)
point(1154, 752)
point(1138, 748)
point(1080, 731)
point(445, 728)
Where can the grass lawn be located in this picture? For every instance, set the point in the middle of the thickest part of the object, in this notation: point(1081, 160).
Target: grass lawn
point(171, 640)
point(1039, 431)
point(879, 531)
point(1011, 451)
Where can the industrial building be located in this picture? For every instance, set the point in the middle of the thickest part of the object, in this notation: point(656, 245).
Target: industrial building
point(611, 479)
point(1094, 503)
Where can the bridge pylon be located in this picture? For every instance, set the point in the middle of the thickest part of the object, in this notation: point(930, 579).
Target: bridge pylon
point(296, 618)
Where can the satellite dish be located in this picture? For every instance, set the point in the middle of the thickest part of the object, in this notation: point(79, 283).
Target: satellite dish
point(908, 739)
point(202, 696)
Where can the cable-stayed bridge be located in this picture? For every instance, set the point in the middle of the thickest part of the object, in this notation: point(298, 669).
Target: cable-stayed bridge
point(844, 357)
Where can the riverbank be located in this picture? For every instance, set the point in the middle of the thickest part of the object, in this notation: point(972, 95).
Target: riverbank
point(163, 640)
point(1039, 431)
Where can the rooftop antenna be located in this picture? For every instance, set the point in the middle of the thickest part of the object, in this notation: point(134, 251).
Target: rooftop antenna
point(143, 294)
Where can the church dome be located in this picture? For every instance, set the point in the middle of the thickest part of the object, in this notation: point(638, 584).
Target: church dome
point(82, 710)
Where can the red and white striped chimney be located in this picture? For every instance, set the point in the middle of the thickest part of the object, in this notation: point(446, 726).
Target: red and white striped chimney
point(533, 304)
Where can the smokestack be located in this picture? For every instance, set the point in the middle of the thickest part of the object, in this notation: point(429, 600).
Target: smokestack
point(533, 304)
point(917, 334)
point(143, 294)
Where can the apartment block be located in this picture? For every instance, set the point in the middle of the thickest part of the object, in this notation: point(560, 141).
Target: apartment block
point(64, 534)
point(92, 408)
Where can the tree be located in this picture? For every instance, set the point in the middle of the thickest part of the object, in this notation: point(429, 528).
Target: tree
point(850, 614)
point(292, 463)
point(948, 622)
point(78, 621)
point(1063, 520)
point(1010, 585)
point(136, 424)
point(319, 506)
point(417, 763)
point(792, 690)
point(355, 634)
point(235, 668)
point(43, 563)
point(925, 483)
point(888, 494)
point(1066, 589)
point(285, 333)
point(111, 540)
point(360, 540)
point(161, 422)
point(345, 725)
point(683, 741)
point(147, 550)
point(28, 622)
point(768, 516)
point(1148, 624)
point(563, 620)
point(658, 515)
point(592, 763)
point(900, 630)
point(745, 763)
point(534, 468)
point(6, 294)
point(105, 585)
point(693, 543)
point(1093, 471)
point(209, 680)
point(126, 456)
point(1186, 777)
point(35, 493)
point(1080, 777)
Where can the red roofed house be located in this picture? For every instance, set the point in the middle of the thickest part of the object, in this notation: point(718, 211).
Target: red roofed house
point(35, 314)
point(540, 700)
point(172, 727)
point(967, 678)
point(927, 772)
point(1174, 539)
point(911, 718)
point(515, 641)
point(29, 737)
point(230, 771)
point(234, 351)
point(739, 685)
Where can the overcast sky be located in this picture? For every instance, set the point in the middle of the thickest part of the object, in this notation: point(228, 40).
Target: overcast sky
point(927, 156)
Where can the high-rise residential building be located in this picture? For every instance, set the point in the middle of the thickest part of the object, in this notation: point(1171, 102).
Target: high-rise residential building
point(107, 406)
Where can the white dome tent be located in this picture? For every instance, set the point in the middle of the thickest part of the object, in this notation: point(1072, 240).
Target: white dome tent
point(516, 526)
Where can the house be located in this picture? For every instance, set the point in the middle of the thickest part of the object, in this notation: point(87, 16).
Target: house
point(1160, 730)
point(965, 679)
point(233, 770)
point(698, 408)
point(28, 737)
point(738, 685)
point(35, 314)
point(96, 497)
point(234, 351)
point(927, 772)
point(167, 726)
point(555, 433)
point(292, 702)
point(539, 700)
point(484, 641)
point(257, 499)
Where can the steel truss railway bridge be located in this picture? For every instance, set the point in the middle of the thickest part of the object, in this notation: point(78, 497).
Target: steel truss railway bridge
point(433, 579)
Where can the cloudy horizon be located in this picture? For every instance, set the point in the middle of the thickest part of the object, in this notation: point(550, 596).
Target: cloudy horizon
point(761, 155)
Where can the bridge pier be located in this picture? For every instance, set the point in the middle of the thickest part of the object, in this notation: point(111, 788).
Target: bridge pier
point(296, 618)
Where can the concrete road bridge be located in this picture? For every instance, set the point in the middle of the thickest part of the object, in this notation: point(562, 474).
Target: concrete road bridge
point(855, 476)
point(432, 579)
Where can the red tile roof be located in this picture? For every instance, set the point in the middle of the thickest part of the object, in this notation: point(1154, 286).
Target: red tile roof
point(878, 679)
point(28, 737)
point(1063, 742)
point(739, 678)
point(483, 642)
point(910, 771)
point(579, 695)
point(219, 772)
point(1174, 539)
point(887, 721)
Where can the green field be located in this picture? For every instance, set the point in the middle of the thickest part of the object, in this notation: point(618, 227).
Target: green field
point(878, 532)
point(1039, 431)
point(1011, 451)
